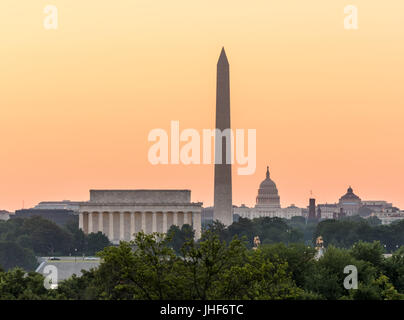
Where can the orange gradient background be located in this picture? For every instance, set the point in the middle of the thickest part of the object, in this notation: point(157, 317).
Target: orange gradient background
point(77, 103)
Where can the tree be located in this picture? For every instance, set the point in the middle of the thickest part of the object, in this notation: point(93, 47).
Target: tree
point(327, 277)
point(377, 289)
point(269, 230)
point(16, 284)
point(46, 236)
point(374, 221)
point(96, 242)
point(146, 268)
point(208, 260)
point(257, 278)
point(78, 288)
point(180, 236)
point(220, 229)
point(393, 268)
point(13, 255)
point(79, 239)
point(371, 252)
point(345, 232)
point(299, 258)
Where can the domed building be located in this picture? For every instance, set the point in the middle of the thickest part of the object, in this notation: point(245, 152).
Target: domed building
point(267, 203)
point(268, 196)
point(350, 202)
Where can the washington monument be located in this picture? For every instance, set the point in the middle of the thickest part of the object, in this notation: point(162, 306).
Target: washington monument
point(223, 194)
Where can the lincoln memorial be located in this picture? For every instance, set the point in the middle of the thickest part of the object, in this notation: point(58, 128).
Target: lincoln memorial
point(119, 214)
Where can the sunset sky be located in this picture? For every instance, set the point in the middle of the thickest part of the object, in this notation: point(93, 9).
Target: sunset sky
point(77, 103)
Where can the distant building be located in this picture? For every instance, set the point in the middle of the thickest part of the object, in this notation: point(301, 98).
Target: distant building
point(206, 216)
point(328, 211)
point(267, 203)
point(341, 213)
point(65, 204)
point(268, 197)
point(377, 206)
point(350, 203)
point(383, 211)
point(58, 216)
point(390, 217)
point(4, 215)
point(119, 214)
point(318, 217)
point(312, 209)
point(67, 267)
point(291, 211)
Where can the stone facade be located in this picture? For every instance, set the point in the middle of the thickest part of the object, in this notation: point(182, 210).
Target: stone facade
point(59, 216)
point(251, 213)
point(268, 197)
point(4, 215)
point(223, 182)
point(119, 214)
point(350, 203)
point(59, 205)
point(328, 210)
point(267, 203)
point(140, 196)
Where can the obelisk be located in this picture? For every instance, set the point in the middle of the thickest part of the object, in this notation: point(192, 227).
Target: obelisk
point(222, 210)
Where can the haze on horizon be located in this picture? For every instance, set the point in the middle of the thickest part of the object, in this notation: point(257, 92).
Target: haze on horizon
point(77, 104)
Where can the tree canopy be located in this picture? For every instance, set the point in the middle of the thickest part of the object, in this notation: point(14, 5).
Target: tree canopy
point(21, 240)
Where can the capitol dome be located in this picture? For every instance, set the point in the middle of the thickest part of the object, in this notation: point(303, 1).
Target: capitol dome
point(268, 194)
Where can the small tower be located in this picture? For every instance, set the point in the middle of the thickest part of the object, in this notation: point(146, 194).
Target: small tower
point(312, 209)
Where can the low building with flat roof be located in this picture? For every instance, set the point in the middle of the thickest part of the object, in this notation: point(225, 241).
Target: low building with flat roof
point(4, 215)
point(59, 216)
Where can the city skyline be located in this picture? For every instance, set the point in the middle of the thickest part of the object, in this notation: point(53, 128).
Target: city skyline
point(78, 102)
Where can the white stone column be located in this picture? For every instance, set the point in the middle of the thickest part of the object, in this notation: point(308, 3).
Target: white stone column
point(186, 218)
point(101, 222)
point(81, 224)
point(165, 222)
point(144, 222)
point(154, 222)
point(121, 226)
point(175, 219)
point(132, 225)
point(197, 224)
point(90, 222)
point(111, 226)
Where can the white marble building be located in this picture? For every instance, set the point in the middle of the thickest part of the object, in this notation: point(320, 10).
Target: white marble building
point(328, 210)
point(267, 203)
point(390, 217)
point(119, 214)
point(4, 215)
point(57, 205)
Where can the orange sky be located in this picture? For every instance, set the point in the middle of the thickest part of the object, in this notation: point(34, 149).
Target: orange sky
point(77, 103)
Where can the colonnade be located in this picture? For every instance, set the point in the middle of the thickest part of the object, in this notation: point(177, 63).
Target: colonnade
point(122, 225)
